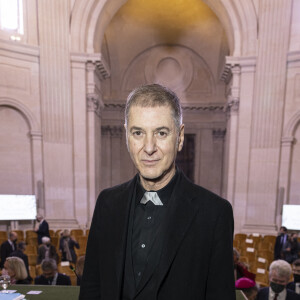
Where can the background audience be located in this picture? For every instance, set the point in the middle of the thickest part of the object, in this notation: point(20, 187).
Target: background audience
point(67, 245)
point(50, 275)
point(8, 247)
point(295, 285)
point(21, 247)
point(46, 250)
point(279, 275)
point(16, 269)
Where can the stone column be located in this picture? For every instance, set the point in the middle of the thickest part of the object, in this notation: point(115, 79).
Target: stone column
point(56, 111)
point(240, 73)
point(116, 140)
point(268, 103)
point(218, 154)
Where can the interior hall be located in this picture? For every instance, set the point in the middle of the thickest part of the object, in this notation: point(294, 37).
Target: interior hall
point(67, 67)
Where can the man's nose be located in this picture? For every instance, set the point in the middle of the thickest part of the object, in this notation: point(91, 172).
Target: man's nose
point(150, 144)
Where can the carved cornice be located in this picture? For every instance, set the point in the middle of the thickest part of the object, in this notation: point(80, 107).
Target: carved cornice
point(94, 58)
point(232, 106)
point(208, 107)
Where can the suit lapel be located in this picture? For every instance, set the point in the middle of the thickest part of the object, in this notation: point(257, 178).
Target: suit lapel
point(180, 214)
point(120, 223)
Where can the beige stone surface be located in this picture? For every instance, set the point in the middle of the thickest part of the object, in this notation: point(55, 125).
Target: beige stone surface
point(235, 65)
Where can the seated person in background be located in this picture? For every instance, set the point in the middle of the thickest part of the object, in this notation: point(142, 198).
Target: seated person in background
point(41, 228)
point(15, 268)
point(248, 287)
point(79, 268)
point(279, 275)
point(8, 247)
point(290, 248)
point(240, 269)
point(46, 250)
point(66, 246)
point(21, 247)
point(295, 285)
point(50, 275)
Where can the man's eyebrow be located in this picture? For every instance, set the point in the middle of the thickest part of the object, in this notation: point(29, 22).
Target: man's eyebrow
point(135, 128)
point(162, 128)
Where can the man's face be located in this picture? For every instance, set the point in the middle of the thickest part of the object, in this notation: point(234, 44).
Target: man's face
point(14, 237)
point(153, 142)
point(274, 277)
point(49, 273)
point(296, 270)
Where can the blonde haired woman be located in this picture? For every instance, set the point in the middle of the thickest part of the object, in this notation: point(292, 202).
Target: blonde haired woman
point(16, 269)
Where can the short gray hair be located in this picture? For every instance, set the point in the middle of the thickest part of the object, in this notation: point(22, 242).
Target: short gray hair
point(153, 95)
point(49, 264)
point(282, 268)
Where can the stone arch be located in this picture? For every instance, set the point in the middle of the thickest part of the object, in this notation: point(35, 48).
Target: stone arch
point(292, 125)
point(91, 17)
point(27, 114)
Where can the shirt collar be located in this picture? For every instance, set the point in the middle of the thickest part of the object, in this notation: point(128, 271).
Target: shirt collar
point(164, 194)
point(281, 296)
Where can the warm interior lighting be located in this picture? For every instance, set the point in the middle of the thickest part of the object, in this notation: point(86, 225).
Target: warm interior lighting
point(170, 18)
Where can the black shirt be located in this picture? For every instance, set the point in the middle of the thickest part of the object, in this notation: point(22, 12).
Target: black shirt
point(146, 225)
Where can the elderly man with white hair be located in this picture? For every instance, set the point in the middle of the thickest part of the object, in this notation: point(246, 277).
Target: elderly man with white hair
point(279, 275)
point(41, 228)
point(46, 250)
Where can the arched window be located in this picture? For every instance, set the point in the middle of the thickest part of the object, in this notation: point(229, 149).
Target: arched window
point(11, 18)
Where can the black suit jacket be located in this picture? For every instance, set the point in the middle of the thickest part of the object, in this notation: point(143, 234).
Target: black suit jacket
point(263, 294)
point(43, 231)
point(6, 250)
point(196, 261)
point(62, 279)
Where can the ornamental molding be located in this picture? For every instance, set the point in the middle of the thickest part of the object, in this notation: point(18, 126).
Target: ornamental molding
point(94, 104)
point(205, 107)
point(218, 134)
point(94, 58)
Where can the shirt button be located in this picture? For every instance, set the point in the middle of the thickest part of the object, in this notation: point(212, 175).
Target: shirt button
point(143, 245)
point(139, 273)
point(149, 218)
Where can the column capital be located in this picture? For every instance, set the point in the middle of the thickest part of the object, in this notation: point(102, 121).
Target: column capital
point(94, 103)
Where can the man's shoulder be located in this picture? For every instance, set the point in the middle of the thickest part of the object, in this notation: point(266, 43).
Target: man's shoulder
point(291, 295)
point(291, 286)
point(202, 194)
point(263, 293)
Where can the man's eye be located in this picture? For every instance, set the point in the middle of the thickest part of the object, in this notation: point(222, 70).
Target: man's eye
point(137, 133)
point(162, 134)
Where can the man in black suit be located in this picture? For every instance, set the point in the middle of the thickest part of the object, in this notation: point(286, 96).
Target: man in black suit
point(42, 228)
point(281, 240)
point(50, 275)
point(8, 247)
point(279, 274)
point(158, 236)
point(295, 285)
point(21, 247)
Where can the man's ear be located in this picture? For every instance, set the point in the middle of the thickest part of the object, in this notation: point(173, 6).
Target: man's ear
point(180, 138)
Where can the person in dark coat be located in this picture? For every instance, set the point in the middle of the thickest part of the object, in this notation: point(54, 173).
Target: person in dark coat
point(295, 285)
point(50, 275)
point(8, 247)
point(158, 236)
point(280, 242)
point(67, 246)
point(46, 250)
point(41, 228)
point(279, 274)
point(21, 247)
